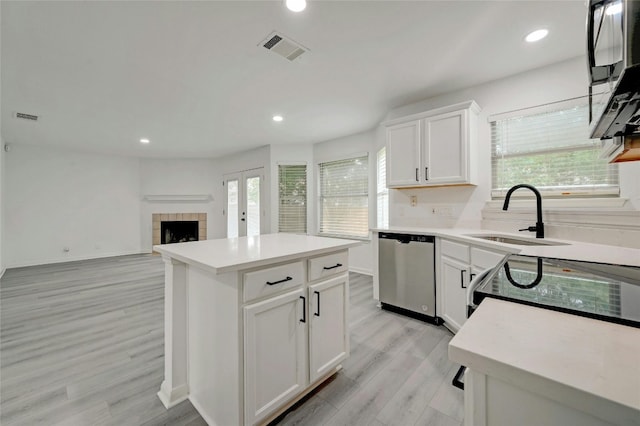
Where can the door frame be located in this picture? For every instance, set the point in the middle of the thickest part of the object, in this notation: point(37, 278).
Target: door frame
point(242, 177)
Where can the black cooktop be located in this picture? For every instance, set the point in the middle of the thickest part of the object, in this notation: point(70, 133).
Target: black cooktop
point(596, 290)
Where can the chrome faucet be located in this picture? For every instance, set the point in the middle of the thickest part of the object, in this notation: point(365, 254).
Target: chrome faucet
point(539, 228)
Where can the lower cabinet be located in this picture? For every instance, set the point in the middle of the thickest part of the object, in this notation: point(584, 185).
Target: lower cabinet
point(454, 292)
point(459, 264)
point(275, 353)
point(328, 334)
point(292, 340)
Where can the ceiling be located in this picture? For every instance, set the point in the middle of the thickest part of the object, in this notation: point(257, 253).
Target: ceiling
point(192, 77)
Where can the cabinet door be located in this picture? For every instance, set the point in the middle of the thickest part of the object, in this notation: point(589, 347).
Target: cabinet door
point(275, 353)
point(455, 279)
point(445, 149)
point(328, 338)
point(403, 154)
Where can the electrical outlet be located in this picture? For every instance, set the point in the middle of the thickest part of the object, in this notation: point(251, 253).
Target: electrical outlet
point(414, 200)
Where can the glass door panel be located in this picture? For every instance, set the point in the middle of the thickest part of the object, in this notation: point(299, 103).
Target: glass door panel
point(233, 228)
point(243, 207)
point(253, 205)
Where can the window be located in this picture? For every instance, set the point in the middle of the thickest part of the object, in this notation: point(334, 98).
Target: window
point(382, 200)
point(344, 198)
point(292, 198)
point(552, 151)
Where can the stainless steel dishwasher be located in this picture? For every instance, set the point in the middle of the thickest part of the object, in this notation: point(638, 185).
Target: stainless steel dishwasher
point(406, 272)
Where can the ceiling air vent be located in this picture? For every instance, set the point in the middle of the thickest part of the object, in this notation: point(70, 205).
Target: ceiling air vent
point(283, 46)
point(26, 116)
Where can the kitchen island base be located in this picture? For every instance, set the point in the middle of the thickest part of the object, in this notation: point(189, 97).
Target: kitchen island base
point(245, 344)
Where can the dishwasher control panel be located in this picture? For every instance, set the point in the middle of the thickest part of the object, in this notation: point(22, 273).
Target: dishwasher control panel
point(407, 237)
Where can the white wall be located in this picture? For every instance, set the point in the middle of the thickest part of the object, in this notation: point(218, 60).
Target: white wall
point(291, 155)
point(361, 257)
point(537, 87)
point(179, 177)
point(2, 267)
point(55, 199)
point(2, 180)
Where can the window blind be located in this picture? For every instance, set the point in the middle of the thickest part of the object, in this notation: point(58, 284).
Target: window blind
point(382, 200)
point(344, 199)
point(552, 151)
point(292, 198)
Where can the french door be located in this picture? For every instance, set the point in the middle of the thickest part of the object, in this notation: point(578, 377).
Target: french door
point(244, 202)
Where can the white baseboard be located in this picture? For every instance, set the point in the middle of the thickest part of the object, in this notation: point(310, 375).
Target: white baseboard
point(72, 259)
point(172, 397)
point(361, 271)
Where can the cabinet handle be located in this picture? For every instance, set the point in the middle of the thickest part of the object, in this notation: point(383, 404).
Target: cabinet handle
point(471, 277)
point(317, 313)
point(462, 278)
point(278, 282)
point(426, 173)
point(417, 180)
point(337, 265)
point(304, 309)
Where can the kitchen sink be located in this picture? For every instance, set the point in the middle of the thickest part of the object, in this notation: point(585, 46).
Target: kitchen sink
point(508, 239)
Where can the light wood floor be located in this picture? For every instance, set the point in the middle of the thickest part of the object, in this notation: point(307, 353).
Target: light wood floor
point(81, 343)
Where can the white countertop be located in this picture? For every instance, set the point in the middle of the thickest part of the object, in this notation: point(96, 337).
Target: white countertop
point(521, 344)
point(574, 250)
point(232, 254)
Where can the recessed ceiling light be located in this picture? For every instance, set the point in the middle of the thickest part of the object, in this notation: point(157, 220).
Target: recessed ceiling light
point(277, 118)
point(614, 9)
point(296, 5)
point(536, 35)
point(144, 140)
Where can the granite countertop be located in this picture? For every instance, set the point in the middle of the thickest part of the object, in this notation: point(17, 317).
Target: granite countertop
point(232, 254)
point(573, 250)
point(530, 347)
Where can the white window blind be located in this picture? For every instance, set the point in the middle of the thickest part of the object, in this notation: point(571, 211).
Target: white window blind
point(382, 200)
point(292, 198)
point(552, 151)
point(344, 198)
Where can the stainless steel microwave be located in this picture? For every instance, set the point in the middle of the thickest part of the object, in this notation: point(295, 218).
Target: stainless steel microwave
point(613, 55)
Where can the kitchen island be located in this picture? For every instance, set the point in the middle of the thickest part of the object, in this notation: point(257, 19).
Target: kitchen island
point(252, 324)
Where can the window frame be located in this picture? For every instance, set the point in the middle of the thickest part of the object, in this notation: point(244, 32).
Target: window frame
point(381, 191)
point(306, 196)
point(610, 190)
point(319, 196)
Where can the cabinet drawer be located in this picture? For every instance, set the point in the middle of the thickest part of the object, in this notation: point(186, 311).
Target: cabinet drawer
point(484, 259)
point(283, 277)
point(455, 250)
point(326, 266)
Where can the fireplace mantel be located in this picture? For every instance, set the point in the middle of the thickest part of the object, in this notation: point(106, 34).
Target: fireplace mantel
point(184, 198)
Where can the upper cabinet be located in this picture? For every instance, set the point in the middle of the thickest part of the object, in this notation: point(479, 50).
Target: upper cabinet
point(433, 148)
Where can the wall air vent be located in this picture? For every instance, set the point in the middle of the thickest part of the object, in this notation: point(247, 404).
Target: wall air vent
point(26, 116)
point(283, 46)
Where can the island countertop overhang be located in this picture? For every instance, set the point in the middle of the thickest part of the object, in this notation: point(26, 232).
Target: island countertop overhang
point(234, 254)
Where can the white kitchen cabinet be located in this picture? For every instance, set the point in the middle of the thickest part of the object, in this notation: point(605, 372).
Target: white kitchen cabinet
point(458, 265)
point(454, 282)
point(328, 334)
point(240, 334)
point(434, 148)
point(275, 353)
point(295, 339)
point(403, 154)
